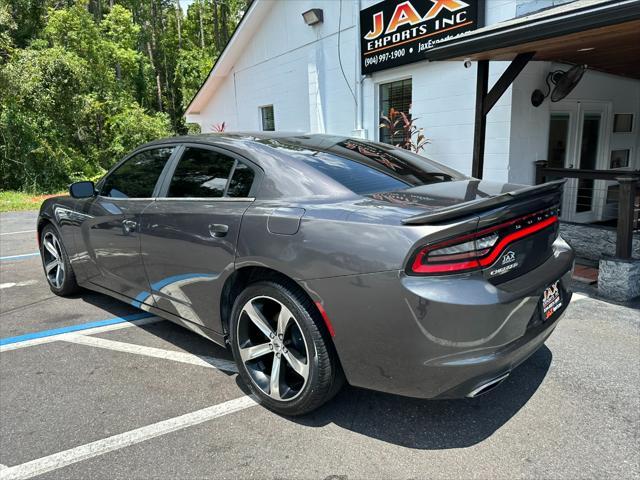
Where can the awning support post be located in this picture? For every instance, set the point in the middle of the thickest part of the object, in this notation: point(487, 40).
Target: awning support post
point(480, 128)
point(486, 100)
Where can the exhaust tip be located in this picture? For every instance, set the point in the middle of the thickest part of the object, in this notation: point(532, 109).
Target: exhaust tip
point(487, 387)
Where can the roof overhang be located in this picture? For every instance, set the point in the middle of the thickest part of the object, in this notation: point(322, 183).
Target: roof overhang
point(241, 37)
point(605, 35)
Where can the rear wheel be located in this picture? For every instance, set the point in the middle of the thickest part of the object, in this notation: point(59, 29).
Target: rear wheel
point(55, 261)
point(282, 349)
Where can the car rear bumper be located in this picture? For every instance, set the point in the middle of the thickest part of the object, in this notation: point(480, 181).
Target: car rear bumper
point(439, 337)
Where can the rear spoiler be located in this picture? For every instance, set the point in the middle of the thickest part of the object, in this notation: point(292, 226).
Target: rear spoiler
point(475, 206)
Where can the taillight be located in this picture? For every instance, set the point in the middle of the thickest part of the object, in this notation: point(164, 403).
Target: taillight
point(480, 249)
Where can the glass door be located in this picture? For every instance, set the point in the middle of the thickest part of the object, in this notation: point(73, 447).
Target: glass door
point(577, 138)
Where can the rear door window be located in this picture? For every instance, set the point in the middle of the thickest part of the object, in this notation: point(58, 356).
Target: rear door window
point(137, 176)
point(201, 173)
point(241, 181)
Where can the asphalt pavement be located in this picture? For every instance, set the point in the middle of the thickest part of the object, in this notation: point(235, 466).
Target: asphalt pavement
point(92, 388)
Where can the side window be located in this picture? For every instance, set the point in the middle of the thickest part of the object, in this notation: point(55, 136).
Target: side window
point(200, 174)
point(137, 177)
point(241, 182)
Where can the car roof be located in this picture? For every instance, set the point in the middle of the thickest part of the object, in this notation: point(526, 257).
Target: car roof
point(284, 158)
point(312, 141)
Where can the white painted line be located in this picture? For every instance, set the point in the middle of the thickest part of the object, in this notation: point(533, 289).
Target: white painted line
point(578, 296)
point(2, 467)
point(23, 255)
point(122, 440)
point(17, 233)
point(17, 284)
point(183, 357)
point(89, 331)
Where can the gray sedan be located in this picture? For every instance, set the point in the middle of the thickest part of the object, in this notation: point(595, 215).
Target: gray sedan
point(321, 259)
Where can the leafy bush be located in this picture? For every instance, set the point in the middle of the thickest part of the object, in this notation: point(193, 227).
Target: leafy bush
point(132, 126)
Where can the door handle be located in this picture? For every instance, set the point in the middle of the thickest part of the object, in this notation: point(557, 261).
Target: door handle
point(129, 225)
point(218, 230)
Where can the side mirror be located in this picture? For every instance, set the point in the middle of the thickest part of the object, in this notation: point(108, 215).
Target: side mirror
point(82, 190)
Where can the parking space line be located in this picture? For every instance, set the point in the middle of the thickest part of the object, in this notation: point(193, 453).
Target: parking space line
point(124, 322)
point(122, 440)
point(183, 357)
point(24, 283)
point(16, 233)
point(72, 328)
point(20, 257)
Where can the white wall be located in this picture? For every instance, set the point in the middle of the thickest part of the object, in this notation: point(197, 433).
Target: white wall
point(529, 125)
point(295, 68)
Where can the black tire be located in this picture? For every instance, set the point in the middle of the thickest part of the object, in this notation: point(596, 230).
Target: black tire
point(65, 284)
point(324, 374)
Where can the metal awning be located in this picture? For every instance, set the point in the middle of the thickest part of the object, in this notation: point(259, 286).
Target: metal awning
point(602, 34)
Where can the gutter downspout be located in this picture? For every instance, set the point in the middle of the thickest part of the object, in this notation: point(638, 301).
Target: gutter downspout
point(359, 129)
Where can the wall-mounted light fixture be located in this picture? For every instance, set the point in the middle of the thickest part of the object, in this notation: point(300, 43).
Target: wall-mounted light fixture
point(313, 16)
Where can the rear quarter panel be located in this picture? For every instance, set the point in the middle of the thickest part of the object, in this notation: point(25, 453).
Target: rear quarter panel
point(328, 243)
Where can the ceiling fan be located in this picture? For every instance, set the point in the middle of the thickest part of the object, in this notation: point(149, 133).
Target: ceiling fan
point(564, 83)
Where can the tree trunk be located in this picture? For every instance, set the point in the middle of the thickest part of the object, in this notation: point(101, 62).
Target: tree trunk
point(216, 25)
point(151, 48)
point(179, 23)
point(224, 24)
point(158, 81)
point(200, 7)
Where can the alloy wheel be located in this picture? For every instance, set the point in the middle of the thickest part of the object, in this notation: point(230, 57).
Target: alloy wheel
point(53, 260)
point(273, 348)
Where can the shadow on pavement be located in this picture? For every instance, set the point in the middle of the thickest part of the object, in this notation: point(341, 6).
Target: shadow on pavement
point(111, 305)
point(433, 424)
point(408, 422)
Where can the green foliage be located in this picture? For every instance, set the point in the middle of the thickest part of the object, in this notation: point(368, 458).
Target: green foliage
point(38, 143)
point(132, 126)
point(7, 28)
point(82, 82)
point(193, 129)
point(192, 66)
point(11, 201)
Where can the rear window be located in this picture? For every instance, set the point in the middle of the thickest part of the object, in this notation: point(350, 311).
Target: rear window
point(365, 168)
point(357, 177)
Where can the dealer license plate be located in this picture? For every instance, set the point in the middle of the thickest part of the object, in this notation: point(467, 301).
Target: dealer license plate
point(551, 300)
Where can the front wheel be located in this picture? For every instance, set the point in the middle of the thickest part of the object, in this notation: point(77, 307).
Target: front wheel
point(283, 351)
point(55, 261)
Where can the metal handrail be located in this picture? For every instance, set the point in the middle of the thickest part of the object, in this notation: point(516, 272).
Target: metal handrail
point(629, 182)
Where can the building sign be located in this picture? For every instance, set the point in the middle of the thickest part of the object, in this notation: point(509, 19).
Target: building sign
point(398, 32)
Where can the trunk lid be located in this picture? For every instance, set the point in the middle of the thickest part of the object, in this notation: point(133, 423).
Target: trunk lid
point(513, 227)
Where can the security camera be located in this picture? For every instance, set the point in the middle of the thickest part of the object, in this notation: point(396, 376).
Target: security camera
point(467, 63)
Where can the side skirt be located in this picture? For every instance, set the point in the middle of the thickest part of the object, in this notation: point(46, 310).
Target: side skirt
point(207, 333)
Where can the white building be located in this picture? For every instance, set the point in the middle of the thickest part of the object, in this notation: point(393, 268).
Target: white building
point(278, 72)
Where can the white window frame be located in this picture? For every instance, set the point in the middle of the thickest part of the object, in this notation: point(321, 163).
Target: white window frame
point(273, 111)
point(376, 90)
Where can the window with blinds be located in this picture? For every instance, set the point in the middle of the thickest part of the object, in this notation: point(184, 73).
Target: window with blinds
point(396, 95)
point(268, 120)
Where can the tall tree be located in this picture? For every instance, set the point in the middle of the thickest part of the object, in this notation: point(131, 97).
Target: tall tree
point(83, 81)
